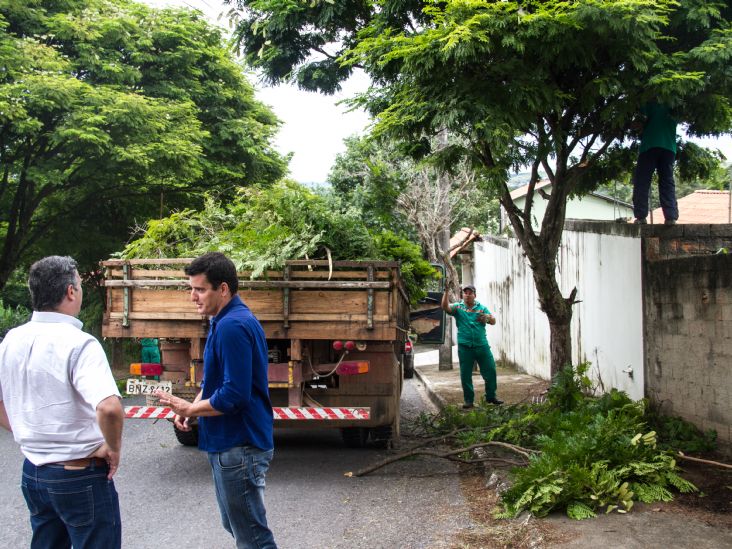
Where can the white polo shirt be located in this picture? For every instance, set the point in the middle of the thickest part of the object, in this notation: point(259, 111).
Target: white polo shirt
point(52, 377)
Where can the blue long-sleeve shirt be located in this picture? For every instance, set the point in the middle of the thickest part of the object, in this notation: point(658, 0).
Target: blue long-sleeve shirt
point(235, 382)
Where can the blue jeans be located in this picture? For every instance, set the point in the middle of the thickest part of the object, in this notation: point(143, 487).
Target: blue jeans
point(71, 507)
point(238, 476)
point(661, 160)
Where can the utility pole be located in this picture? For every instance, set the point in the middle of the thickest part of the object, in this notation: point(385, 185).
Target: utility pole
point(444, 183)
point(446, 347)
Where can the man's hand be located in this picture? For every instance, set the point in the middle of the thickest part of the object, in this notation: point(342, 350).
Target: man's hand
point(180, 406)
point(110, 416)
point(110, 456)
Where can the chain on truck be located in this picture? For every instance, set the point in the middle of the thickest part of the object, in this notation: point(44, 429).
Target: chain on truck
point(336, 335)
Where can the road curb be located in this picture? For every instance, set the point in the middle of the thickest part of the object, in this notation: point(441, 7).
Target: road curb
point(436, 399)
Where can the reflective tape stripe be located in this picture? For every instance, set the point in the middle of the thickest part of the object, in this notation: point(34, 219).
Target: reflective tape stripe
point(148, 412)
point(298, 414)
point(322, 414)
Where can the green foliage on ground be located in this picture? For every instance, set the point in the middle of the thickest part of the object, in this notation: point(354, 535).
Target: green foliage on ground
point(262, 227)
point(594, 454)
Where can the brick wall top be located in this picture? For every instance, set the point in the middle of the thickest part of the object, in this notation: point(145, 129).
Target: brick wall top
point(661, 242)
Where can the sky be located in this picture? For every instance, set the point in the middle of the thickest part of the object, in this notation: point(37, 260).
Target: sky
point(314, 125)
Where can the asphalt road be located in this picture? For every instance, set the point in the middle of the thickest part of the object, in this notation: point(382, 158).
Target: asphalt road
point(167, 496)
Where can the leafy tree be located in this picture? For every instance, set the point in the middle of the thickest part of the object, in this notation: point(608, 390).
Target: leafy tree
point(112, 111)
point(395, 191)
point(547, 83)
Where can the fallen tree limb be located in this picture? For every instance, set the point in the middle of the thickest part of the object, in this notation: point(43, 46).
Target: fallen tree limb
point(706, 461)
point(451, 455)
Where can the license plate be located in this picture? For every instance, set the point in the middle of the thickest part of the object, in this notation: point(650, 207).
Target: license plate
point(146, 386)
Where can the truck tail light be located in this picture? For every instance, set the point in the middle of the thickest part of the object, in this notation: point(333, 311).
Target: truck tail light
point(347, 345)
point(146, 369)
point(352, 367)
point(408, 347)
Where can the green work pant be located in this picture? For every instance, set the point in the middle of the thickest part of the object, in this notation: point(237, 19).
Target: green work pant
point(484, 357)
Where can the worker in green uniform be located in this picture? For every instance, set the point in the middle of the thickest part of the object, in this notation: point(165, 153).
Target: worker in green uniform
point(150, 350)
point(657, 154)
point(471, 318)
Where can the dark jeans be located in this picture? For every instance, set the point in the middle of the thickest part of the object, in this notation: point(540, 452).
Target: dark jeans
point(487, 365)
point(71, 507)
point(661, 160)
point(238, 476)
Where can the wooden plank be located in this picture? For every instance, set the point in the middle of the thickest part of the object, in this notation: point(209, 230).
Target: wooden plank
point(339, 274)
point(159, 316)
point(296, 349)
point(323, 317)
point(158, 301)
point(152, 274)
point(174, 329)
point(112, 327)
point(357, 264)
point(341, 302)
point(305, 284)
point(262, 317)
point(151, 261)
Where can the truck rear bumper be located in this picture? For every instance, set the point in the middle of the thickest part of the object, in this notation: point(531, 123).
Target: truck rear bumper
point(288, 413)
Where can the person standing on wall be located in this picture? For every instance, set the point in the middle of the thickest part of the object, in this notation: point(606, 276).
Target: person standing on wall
point(471, 318)
point(657, 154)
point(234, 410)
point(60, 400)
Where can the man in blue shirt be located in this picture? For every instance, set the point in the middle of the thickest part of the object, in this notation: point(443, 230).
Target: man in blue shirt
point(233, 406)
point(470, 319)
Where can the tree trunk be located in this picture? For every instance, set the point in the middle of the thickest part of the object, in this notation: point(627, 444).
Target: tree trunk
point(558, 310)
point(560, 345)
point(445, 352)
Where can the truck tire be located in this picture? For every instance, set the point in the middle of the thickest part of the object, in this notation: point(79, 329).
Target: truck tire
point(355, 437)
point(381, 436)
point(408, 362)
point(187, 438)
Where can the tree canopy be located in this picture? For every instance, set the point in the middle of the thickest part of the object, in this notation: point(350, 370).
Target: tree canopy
point(411, 197)
point(552, 84)
point(111, 111)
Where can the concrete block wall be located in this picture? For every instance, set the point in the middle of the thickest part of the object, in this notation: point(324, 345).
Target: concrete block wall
point(687, 305)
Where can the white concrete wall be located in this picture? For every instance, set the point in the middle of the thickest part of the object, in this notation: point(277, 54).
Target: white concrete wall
point(607, 324)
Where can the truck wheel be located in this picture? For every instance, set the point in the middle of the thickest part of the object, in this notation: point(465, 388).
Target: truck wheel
point(408, 361)
point(355, 437)
point(187, 438)
point(381, 436)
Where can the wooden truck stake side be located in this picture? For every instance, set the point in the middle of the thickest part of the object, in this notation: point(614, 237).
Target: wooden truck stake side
point(336, 335)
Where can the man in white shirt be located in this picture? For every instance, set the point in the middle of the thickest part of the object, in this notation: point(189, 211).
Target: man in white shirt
point(59, 399)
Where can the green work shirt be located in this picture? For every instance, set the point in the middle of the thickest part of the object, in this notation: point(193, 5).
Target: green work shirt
point(471, 332)
point(660, 128)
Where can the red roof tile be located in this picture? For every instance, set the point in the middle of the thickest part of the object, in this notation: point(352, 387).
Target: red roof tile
point(460, 240)
point(702, 207)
